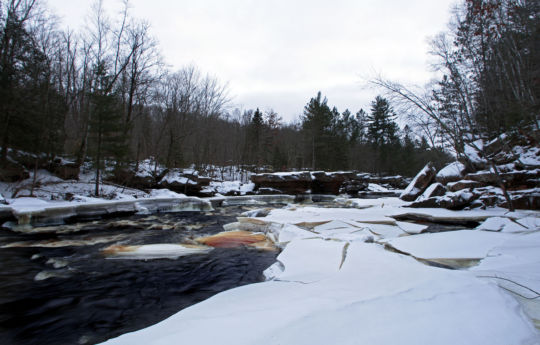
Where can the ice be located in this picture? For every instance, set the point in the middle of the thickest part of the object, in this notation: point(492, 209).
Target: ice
point(290, 232)
point(376, 297)
point(411, 228)
point(460, 244)
point(310, 260)
point(154, 251)
point(316, 216)
point(501, 224)
point(532, 223)
point(514, 266)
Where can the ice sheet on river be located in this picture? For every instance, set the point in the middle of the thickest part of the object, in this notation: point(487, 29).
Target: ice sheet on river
point(375, 297)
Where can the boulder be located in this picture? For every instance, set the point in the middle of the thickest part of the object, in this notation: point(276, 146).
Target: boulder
point(528, 201)
point(485, 177)
point(452, 201)
point(397, 182)
point(178, 183)
point(353, 187)
point(13, 172)
point(435, 189)
point(329, 183)
point(464, 184)
point(66, 170)
point(451, 173)
point(420, 182)
point(289, 183)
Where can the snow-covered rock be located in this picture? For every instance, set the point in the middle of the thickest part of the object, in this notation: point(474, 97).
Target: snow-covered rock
point(419, 184)
point(451, 173)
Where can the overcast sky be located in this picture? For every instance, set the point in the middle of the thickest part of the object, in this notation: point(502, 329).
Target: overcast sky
point(278, 54)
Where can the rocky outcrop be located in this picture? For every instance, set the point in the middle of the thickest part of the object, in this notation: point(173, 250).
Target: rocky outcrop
point(288, 183)
point(420, 183)
point(320, 182)
point(329, 183)
point(517, 170)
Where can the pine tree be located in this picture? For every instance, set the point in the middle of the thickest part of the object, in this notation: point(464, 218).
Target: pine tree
point(316, 123)
point(382, 129)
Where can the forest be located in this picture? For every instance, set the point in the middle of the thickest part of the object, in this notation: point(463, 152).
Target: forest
point(104, 96)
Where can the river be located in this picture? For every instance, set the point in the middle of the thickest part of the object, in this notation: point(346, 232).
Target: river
point(57, 286)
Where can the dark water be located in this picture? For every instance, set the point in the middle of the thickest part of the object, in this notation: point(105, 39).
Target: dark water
point(90, 298)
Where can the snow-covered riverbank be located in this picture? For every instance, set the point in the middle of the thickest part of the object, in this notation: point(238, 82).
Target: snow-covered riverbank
point(358, 276)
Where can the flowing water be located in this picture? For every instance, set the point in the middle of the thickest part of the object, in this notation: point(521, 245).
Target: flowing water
point(57, 287)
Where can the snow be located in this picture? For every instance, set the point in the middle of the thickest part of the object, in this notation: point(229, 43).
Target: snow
point(461, 244)
point(472, 151)
point(454, 169)
point(530, 157)
point(165, 193)
point(226, 187)
point(373, 187)
point(501, 224)
point(308, 260)
point(313, 215)
point(176, 177)
point(375, 297)
point(411, 188)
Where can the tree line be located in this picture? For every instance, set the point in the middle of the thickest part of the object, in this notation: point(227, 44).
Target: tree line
point(104, 94)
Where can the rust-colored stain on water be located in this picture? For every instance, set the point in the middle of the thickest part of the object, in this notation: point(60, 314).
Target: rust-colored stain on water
point(229, 239)
point(115, 249)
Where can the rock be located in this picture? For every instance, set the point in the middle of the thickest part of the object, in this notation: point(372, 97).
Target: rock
point(419, 184)
point(289, 183)
point(435, 189)
point(329, 183)
point(353, 187)
point(529, 201)
point(485, 177)
point(2, 200)
point(513, 179)
point(433, 202)
point(451, 173)
point(13, 172)
point(397, 182)
point(464, 184)
point(178, 182)
point(451, 201)
point(65, 170)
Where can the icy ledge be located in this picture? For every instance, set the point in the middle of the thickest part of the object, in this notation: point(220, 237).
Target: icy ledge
point(335, 283)
point(36, 213)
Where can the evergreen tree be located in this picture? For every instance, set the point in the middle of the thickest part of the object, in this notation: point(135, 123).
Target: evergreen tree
point(316, 123)
point(382, 130)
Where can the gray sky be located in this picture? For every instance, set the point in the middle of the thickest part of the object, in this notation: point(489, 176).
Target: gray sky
point(278, 54)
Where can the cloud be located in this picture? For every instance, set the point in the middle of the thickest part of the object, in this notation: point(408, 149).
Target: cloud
point(279, 53)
